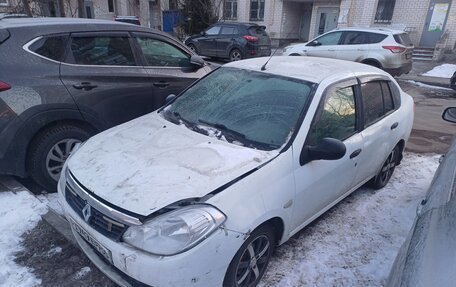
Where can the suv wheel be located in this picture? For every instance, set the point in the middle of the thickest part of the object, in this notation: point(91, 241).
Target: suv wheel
point(235, 55)
point(49, 150)
point(251, 260)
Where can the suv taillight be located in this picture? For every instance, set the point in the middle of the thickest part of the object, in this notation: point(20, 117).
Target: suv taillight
point(4, 86)
point(395, 49)
point(250, 38)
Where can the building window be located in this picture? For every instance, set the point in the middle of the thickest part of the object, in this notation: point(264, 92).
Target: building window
point(385, 9)
point(3, 2)
point(256, 10)
point(111, 5)
point(230, 10)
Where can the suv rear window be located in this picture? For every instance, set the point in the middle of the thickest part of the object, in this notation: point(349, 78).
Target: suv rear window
point(403, 39)
point(52, 47)
point(257, 31)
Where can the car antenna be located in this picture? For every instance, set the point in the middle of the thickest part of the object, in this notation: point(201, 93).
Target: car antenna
point(263, 68)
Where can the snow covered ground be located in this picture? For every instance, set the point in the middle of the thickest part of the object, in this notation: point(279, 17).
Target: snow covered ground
point(442, 71)
point(354, 244)
point(419, 84)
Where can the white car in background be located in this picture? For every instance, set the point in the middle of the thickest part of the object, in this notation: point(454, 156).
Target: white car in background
point(390, 50)
point(200, 192)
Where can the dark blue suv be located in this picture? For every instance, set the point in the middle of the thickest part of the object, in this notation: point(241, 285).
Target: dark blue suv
point(233, 41)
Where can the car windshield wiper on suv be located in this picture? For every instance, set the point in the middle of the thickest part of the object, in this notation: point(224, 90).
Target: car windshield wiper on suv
point(232, 135)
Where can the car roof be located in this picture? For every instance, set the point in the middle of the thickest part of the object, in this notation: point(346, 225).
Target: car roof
point(372, 29)
point(312, 69)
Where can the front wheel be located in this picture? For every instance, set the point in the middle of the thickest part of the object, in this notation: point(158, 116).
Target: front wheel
point(235, 55)
point(251, 260)
point(49, 150)
point(385, 173)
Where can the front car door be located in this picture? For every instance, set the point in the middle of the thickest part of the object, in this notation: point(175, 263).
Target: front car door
point(324, 46)
point(207, 45)
point(322, 183)
point(101, 72)
point(168, 67)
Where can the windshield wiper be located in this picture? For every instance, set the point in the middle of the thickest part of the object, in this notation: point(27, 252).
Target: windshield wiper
point(232, 135)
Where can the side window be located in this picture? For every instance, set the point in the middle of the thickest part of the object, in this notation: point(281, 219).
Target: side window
point(213, 31)
point(354, 38)
point(52, 47)
point(387, 97)
point(229, 30)
point(336, 119)
point(162, 54)
point(103, 50)
point(375, 38)
point(330, 39)
point(372, 102)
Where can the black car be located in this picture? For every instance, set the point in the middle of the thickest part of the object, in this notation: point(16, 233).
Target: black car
point(453, 81)
point(63, 80)
point(233, 41)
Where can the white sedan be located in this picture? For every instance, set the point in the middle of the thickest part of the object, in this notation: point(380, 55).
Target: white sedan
point(200, 192)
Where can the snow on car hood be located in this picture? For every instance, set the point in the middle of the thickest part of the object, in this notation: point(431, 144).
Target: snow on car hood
point(149, 163)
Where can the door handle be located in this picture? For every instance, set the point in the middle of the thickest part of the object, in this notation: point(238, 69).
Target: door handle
point(161, 85)
point(86, 86)
point(355, 153)
point(394, 125)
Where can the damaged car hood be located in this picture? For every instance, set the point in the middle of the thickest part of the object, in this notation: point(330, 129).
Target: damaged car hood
point(149, 163)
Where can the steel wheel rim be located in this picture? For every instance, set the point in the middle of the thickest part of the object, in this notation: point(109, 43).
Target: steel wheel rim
point(388, 167)
point(235, 56)
point(253, 262)
point(57, 156)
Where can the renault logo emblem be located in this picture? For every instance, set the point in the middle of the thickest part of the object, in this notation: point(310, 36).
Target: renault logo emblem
point(86, 212)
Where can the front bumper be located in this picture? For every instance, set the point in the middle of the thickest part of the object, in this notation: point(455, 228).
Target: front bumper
point(202, 266)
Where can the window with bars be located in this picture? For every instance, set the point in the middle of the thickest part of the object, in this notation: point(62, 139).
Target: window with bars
point(110, 5)
point(256, 10)
point(385, 10)
point(230, 10)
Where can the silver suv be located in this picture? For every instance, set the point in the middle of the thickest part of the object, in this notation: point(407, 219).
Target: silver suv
point(390, 50)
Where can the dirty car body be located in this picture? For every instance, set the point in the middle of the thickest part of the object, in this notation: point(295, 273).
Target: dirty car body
point(237, 164)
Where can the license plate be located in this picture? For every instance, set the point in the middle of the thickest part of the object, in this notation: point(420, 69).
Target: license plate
point(92, 241)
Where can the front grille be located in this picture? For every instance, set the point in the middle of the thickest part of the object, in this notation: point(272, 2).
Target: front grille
point(97, 220)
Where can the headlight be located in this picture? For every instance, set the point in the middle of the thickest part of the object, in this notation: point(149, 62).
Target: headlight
point(176, 231)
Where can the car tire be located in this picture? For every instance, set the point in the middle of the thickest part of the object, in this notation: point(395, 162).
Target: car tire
point(193, 48)
point(385, 173)
point(372, 63)
point(235, 55)
point(295, 54)
point(49, 150)
point(259, 246)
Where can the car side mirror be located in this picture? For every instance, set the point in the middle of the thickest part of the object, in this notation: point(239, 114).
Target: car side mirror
point(449, 114)
point(326, 149)
point(197, 61)
point(170, 98)
point(314, 43)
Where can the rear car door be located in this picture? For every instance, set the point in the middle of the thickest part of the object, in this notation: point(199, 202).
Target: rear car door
point(320, 183)
point(226, 40)
point(168, 66)
point(102, 74)
point(325, 46)
point(380, 125)
point(354, 46)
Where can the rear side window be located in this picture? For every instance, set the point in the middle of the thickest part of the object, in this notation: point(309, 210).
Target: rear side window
point(104, 50)
point(377, 101)
point(229, 31)
point(52, 47)
point(355, 38)
point(375, 38)
point(403, 39)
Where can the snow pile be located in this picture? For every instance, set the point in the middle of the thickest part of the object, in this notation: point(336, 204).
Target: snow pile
point(356, 242)
point(442, 71)
point(419, 84)
point(82, 273)
point(19, 212)
point(52, 201)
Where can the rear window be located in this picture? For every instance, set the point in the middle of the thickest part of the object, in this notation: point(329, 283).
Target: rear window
point(403, 39)
point(257, 31)
point(375, 38)
point(52, 47)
